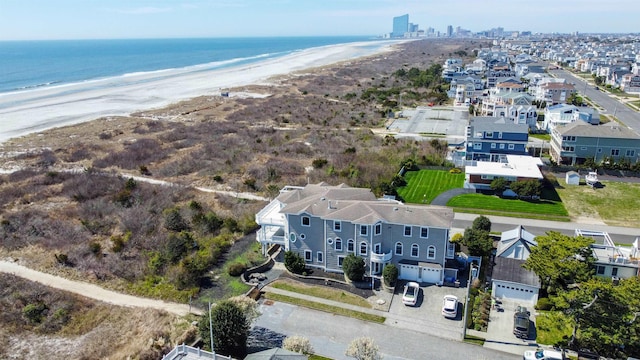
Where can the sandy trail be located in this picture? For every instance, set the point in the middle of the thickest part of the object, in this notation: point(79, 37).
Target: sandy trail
point(93, 291)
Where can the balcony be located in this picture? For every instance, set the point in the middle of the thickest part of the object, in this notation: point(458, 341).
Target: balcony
point(271, 234)
point(381, 258)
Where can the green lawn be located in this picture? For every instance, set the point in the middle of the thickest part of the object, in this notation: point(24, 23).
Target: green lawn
point(552, 326)
point(424, 185)
point(322, 292)
point(494, 203)
point(545, 137)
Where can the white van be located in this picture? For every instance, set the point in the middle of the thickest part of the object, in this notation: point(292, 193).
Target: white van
point(543, 355)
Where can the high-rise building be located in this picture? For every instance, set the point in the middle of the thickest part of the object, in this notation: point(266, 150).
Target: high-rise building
point(400, 25)
point(449, 31)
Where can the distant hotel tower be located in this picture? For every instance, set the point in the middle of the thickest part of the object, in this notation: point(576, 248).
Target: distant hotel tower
point(449, 31)
point(400, 25)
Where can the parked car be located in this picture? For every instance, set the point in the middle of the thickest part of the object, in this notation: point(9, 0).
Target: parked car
point(450, 306)
point(543, 355)
point(410, 294)
point(521, 323)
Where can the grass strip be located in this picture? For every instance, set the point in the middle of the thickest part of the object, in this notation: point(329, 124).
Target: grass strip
point(474, 340)
point(512, 214)
point(318, 357)
point(326, 308)
point(493, 203)
point(322, 292)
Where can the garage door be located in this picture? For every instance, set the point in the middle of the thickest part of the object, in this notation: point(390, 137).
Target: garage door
point(515, 292)
point(430, 275)
point(408, 272)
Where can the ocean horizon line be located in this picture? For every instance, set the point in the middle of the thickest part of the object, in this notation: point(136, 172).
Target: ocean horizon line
point(373, 37)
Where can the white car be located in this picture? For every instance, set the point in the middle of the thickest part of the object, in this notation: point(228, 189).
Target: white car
point(450, 306)
point(543, 355)
point(410, 294)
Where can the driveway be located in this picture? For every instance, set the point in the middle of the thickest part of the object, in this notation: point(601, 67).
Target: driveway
point(426, 316)
point(500, 330)
point(330, 335)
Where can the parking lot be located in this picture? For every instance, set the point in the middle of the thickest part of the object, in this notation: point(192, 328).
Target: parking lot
point(438, 121)
point(426, 315)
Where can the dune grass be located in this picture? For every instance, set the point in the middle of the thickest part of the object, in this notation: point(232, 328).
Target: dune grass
point(424, 185)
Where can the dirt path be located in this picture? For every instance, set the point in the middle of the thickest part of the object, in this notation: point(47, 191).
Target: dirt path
point(93, 291)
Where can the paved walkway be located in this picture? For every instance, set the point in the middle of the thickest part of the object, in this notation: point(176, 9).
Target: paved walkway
point(444, 198)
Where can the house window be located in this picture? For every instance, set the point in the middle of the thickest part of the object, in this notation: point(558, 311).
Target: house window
point(350, 245)
point(431, 252)
point(363, 229)
point(363, 248)
point(337, 225)
point(583, 148)
point(600, 270)
point(614, 271)
point(319, 256)
point(424, 232)
point(292, 237)
point(493, 145)
point(599, 150)
point(306, 221)
point(398, 248)
point(615, 152)
point(477, 146)
point(500, 135)
point(338, 244)
point(330, 241)
point(340, 260)
point(512, 146)
point(378, 229)
point(501, 146)
point(488, 135)
point(307, 255)
point(415, 250)
point(303, 236)
point(407, 231)
point(631, 153)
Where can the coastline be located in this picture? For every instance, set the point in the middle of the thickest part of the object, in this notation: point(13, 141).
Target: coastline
point(38, 110)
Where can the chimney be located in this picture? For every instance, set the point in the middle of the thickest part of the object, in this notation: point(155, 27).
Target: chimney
point(329, 205)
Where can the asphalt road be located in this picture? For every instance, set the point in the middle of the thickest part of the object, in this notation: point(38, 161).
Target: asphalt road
point(619, 234)
point(611, 105)
point(331, 334)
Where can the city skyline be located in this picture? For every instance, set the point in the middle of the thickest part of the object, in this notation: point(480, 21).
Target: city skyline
point(76, 19)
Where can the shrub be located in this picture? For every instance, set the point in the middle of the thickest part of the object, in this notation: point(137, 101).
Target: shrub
point(174, 221)
point(482, 223)
point(353, 267)
point(319, 163)
point(363, 348)
point(455, 171)
point(544, 304)
point(34, 312)
point(95, 248)
point(390, 275)
point(294, 262)
point(299, 344)
point(236, 269)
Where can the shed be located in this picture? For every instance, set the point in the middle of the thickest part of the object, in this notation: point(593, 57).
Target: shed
point(572, 178)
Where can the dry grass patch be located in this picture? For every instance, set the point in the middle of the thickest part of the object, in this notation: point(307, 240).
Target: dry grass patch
point(321, 292)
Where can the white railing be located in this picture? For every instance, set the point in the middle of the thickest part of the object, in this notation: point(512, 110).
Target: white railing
point(181, 351)
point(381, 258)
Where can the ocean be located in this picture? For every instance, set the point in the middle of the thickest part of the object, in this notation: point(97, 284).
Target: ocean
point(46, 84)
point(26, 65)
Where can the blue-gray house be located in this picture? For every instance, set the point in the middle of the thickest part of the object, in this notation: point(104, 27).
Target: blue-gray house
point(491, 139)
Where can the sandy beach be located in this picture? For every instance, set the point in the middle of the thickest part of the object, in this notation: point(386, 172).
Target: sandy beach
point(41, 109)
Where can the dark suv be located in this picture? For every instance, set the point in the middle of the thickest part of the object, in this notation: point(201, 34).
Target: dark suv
point(521, 323)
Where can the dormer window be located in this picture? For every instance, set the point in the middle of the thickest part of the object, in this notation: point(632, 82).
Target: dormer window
point(337, 225)
point(363, 229)
point(306, 221)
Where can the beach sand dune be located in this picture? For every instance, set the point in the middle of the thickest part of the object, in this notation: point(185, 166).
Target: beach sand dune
point(40, 109)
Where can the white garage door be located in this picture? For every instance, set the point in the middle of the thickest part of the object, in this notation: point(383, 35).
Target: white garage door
point(430, 275)
point(408, 272)
point(515, 292)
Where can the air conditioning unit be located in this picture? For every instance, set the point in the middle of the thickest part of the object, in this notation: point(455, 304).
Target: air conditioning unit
point(615, 280)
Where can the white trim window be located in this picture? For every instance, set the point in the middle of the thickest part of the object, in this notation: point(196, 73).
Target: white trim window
point(363, 248)
point(424, 232)
point(305, 221)
point(431, 252)
point(351, 246)
point(338, 244)
point(415, 250)
point(319, 256)
point(512, 146)
point(340, 261)
point(398, 248)
point(407, 230)
point(363, 230)
point(377, 229)
point(337, 226)
point(308, 255)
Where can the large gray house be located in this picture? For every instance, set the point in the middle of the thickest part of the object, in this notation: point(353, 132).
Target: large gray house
point(574, 143)
point(324, 224)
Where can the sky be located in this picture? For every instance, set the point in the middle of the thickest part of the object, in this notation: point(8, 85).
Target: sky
point(117, 19)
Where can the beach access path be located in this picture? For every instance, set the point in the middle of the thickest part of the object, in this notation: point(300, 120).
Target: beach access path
point(94, 291)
